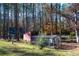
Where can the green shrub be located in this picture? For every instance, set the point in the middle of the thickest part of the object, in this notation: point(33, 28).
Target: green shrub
point(72, 35)
point(42, 42)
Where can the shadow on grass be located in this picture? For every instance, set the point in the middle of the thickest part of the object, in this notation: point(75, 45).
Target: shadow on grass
point(31, 52)
point(22, 52)
point(3, 51)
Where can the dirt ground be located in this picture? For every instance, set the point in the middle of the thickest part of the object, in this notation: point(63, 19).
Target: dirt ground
point(73, 47)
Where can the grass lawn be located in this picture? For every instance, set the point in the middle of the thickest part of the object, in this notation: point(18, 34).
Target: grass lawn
point(23, 49)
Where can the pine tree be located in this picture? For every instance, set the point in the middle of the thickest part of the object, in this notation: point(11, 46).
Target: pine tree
point(16, 15)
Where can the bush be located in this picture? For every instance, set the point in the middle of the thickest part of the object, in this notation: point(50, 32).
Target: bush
point(72, 35)
point(42, 42)
point(65, 32)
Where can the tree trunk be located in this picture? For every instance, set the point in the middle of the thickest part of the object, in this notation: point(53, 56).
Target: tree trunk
point(56, 19)
point(0, 19)
point(33, 15)
point(4, 15)
point(16, 15)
